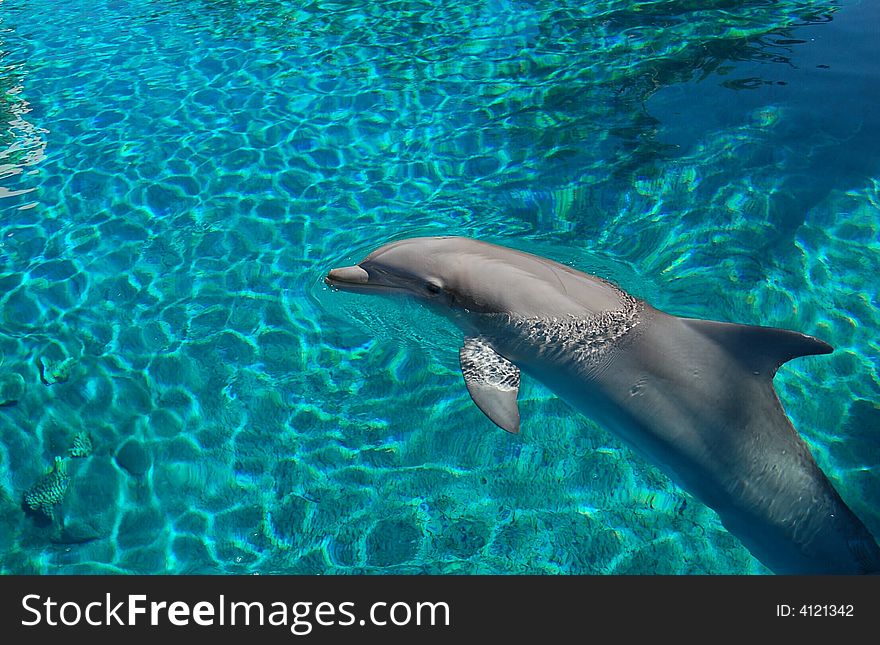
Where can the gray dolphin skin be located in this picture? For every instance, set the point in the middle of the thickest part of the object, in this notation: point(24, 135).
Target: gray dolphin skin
point(695, 397)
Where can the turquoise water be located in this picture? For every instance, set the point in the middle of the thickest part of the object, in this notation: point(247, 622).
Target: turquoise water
point(176, 177)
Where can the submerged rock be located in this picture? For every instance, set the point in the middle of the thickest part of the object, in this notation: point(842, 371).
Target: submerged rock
point(52, 372)
point(82, 445)
point(49, 490)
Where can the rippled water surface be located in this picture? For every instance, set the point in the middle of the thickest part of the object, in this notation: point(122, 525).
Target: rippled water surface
point(177, 176)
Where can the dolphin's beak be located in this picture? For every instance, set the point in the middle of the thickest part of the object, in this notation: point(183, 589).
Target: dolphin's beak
point(347, 277)
point(358, 280)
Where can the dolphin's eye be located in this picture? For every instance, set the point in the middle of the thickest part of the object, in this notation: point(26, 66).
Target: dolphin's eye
point(433, 289)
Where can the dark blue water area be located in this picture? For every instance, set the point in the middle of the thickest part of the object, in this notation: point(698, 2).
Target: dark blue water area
point(180, 391)
point(817, 81)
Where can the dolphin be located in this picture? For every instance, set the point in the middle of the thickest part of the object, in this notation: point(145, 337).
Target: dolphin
point(695, 397)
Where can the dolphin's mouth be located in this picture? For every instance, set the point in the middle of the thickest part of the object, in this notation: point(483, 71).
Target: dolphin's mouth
point(356, 279)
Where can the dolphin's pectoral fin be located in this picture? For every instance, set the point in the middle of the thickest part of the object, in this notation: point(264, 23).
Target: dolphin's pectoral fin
point(492, 381)
point(761, 349)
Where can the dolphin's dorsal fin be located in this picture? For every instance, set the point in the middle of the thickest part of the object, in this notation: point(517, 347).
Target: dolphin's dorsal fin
point(492, 381)
point(761, 349)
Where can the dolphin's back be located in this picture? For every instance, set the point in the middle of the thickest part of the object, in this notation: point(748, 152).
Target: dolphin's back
point(697, 397)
